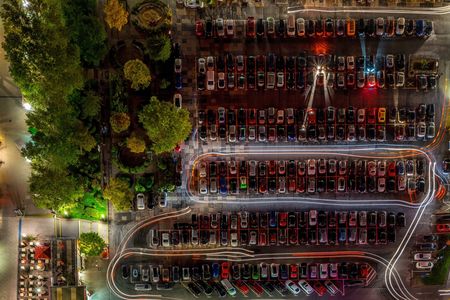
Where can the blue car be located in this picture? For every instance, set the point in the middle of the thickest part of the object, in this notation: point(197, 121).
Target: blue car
point(420, 26)
point(223, 186)
point(342, 235)
point(178, 81)
point(215, 270)
point(273, 219)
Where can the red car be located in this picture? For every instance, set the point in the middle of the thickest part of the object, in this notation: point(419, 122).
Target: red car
point(272, 167)
point(311, 113)
point(363, 270)
point(392, 171)
point(242, 287)
point(252, 116)
point(225, 270)
point(282, 219)
point(251, 27)
point(319, 288)
point(262, 185)
point(371, 115)
point(443, 227)
point(199, 28)
point(291, 185)
point(301, 185)
point(293, 271)
point(262, 239)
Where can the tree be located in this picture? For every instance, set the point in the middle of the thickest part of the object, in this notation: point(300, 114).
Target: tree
point(138, 73)
point(119, 121)
point(165, 124)
point(53, 189)
point(91, 244)
point(119, 193)
point(85, 30)
point(115, 14)
point(159, 47)
point(135, 143)
point(91, 104)
point(84, 139)
point(43, 62)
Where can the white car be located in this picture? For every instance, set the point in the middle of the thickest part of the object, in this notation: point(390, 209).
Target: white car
point(380, 26)
point(270, 80)
point(240, 63)
point(292, 287)
point(400, 28)
point(213, 132)
point(193, 3)
point(140, 204)
point(312, 217)
point(220, 29)
point(331, 287)
point(202, 169)
point(389, 61)
point(280, 79)
point(301, 27)
point(165, 239)
point(400, 79)
point(423, 256)
point(230, 27)
point(210, 63)
point(177, 100)
point(431, 130)
point(282, 185)
point(421, 129)
point(203, 186)
point(291, 26)
point(178, 65)
point(421, 265)
point(234, 239)
point(210, 81)
point(270, 23)
point(251, 133)
point(306, 287)
point(232, 133)
point(201, 65)
point(213, 185)
point(350, 62)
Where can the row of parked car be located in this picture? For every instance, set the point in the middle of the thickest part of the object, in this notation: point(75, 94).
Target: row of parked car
point(322, 175)
point(423, 259)
point(317, 124)
point(323, 27)
point(297, 72)
point(282, 228)
point(229, 278)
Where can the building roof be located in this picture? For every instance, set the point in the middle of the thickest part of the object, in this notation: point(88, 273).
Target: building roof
point(68, 293)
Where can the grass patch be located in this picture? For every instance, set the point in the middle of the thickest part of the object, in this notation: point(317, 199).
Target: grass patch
point(439, 273)
point(92, 207)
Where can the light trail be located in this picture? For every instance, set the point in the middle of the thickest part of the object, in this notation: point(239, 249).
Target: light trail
point(435, 11)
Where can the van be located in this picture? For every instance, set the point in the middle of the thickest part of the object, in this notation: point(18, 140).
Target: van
point(291, 26)
point(229, 287)
point(142, 287)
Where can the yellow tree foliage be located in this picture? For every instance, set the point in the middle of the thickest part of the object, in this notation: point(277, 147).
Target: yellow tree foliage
point(138, 73)
point(116, 15)
point(119, 121)
point(135, 143)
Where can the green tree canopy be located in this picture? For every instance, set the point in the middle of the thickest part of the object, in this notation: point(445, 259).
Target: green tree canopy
point(85, 30)
point(119, 193)
point(91, 104)
point(53, 188)
point(138, 73)
point(43, 63)
point(165, 124)
point(91, 244)
point(136, 143)
point(158, 47)
point(119, 121)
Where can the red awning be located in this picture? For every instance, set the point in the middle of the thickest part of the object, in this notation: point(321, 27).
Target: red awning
point(42, 252)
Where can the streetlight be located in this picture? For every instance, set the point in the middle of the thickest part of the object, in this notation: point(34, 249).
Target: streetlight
point(27, 106)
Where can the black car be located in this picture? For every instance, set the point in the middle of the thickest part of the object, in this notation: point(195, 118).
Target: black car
point(244, 237)
point(300, 80)
point(245, 271)
point(281, 28)
point(220, 290)
point(370, 28)
point(242, 117)
point(175, 238)
point(284, 272)
point(201, 82)
point(207, 289)
point(332, 236)
point(401, 221)
point(310, 28)
point(361, 27)
point(195, 273)
point(230, 62)
point(272, 186)
point(290, 80)
point(281, 133)
point(329, 27)
point(292, 220)
point(400, 62)
point(391, 235)
point(125, 271)
point(322, 219)
point(206, 272)
point(208, 28)
point(260, 28)
point(220, 64)
point(194, 289)
point(409, 28)
point(371, 235)
point(231, 116)
point(235, 272)
point(343, 270)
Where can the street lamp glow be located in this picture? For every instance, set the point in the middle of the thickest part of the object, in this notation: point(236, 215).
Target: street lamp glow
point(27, 160)
point(27, 106)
